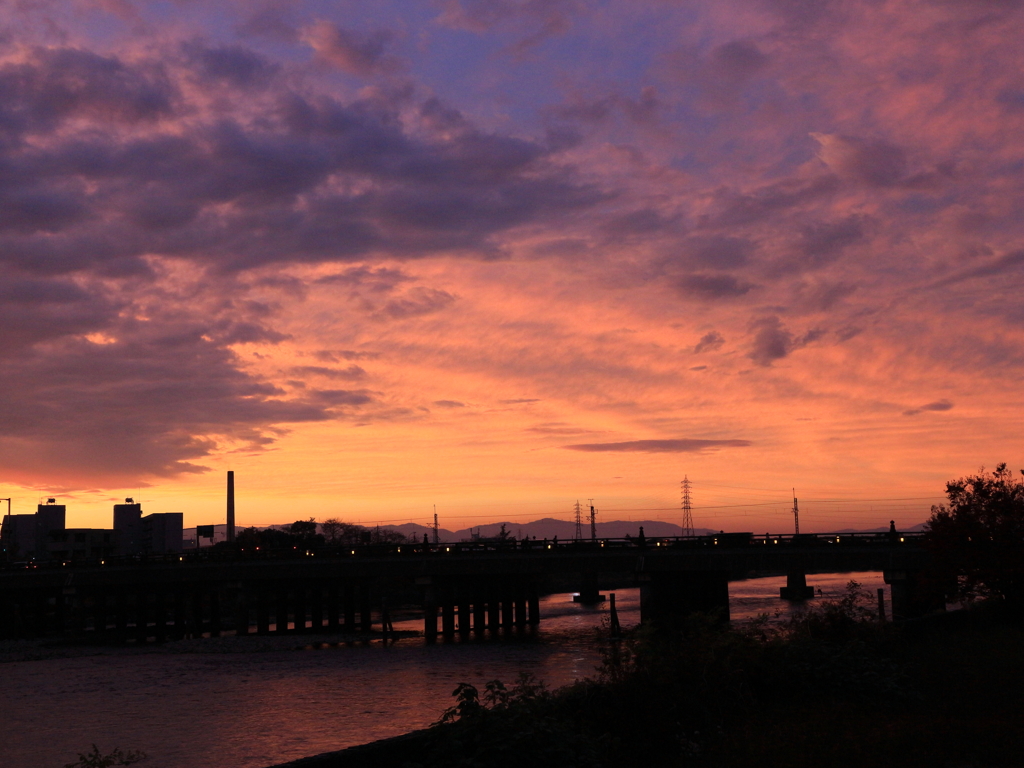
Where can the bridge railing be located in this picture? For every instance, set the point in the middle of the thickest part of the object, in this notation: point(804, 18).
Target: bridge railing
point(223, 554)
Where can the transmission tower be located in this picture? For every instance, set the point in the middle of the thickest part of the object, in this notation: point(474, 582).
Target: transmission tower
point(687, 513)
point(579, 520)
point(437, 537)
point(593, 521)
point(796, 515)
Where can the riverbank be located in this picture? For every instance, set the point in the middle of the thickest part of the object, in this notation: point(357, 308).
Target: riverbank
point(834, 690)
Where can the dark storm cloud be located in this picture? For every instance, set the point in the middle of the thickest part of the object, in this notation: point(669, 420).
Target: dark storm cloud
point(231, 64)
point(721, 252)
point(152, 404)
point(351, 372)
point(55, 84)
point(824, 242)
point(938, 405)
point(873, 162)
point(354, 52)
point(733, 208)
point(418, 301)
point(34, 310)
point(313, 179)
point(712, 285)
point(709, 342)
point(117, 180)
point(683, 445)
point(773, 341)
point(1005, 263)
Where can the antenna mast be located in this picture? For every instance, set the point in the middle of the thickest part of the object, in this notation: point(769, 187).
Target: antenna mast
point(437, 538)
point(579, 520)
point(796, 514)
point(687, 515)
point(593, 521)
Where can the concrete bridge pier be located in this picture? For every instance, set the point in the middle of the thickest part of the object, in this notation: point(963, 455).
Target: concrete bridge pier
point(447, 617)
point(666, 598)
point(241, 613)
point(430, 614)
point(493, 613)
point(589, 593)
point(911, 596)
point(796, 586)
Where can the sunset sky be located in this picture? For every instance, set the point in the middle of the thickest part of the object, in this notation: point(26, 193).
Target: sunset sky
point(501, 255)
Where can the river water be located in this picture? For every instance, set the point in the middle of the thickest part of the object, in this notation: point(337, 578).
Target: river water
point(252, 702)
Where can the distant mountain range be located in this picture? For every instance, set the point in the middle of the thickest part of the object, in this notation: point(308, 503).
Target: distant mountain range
point(549, 528)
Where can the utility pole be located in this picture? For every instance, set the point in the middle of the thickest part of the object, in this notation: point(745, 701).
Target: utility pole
point(687, 514)
point(593, 521)
point(437, 537)
point(579, 520)
point(796, 515)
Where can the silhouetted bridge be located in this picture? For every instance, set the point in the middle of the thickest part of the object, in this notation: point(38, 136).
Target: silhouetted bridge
point(468, 587)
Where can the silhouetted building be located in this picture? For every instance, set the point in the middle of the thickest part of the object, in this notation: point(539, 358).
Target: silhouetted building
point(161, 532)
point(71, 544)
point(49, 517)
point(19, 536)
point(158, 533)
point(128, 524)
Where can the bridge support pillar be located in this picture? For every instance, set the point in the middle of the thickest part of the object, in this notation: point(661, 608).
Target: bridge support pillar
point(520, 607)
point(141, 615)
point(333, 597)
point(215, 618)
point(796, 586)
point(350, 608)
point(589, 593)
point(493, 611)
point(316, 606)
point(241, 611)
point(281, 619)
point(100, 607)
point(299, 608)
point(668, 597)
point(179, 614)
point(430, 615)
point(447, 617)
point(160, 615)
point(465, 618)
point(910, 597)
point(479, 614)
point(365, 615)
point(507, 611)
point(533, 606)
point(262, 611)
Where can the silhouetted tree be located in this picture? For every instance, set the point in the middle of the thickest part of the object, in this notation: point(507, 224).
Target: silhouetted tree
point(338, 532)
point(979, 537)
point(303, 528)
point(388, 536)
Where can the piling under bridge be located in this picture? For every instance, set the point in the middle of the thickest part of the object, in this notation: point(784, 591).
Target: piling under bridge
point(462, 588)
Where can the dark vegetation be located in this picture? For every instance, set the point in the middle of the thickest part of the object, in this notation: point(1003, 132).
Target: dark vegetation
point(302, 534)
point(977, 541)
point(96, 759)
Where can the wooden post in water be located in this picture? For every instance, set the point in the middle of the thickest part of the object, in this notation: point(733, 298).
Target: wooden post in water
point(881, 605)
point(613, 616)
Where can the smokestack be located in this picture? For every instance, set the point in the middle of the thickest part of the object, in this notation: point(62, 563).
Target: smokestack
point(231, 505)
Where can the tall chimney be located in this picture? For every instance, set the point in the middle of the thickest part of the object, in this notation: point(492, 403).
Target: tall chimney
point(231, 505)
